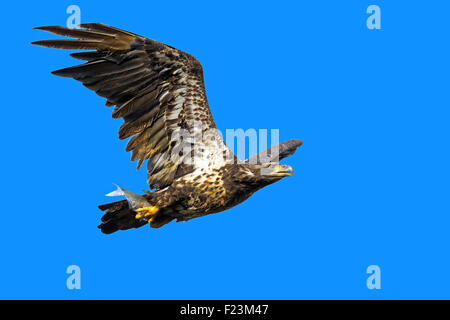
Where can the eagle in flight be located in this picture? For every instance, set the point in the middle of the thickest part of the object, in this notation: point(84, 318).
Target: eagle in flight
point(159, 92)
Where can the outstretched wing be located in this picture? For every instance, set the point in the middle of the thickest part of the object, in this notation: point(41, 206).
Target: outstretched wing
point(158, 91)
point(276, 152)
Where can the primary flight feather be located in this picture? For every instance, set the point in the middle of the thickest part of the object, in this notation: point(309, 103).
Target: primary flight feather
point(159, 92)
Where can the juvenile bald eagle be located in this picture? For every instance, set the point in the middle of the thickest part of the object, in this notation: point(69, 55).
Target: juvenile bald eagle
point(159, 92)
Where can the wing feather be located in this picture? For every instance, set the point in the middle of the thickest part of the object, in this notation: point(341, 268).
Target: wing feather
point(157, 89)
point(276, 152)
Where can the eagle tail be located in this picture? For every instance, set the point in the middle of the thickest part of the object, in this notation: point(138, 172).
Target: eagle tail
point(119, 216)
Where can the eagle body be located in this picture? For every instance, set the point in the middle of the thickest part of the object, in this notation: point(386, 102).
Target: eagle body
point(211, 191)
point(159, 92)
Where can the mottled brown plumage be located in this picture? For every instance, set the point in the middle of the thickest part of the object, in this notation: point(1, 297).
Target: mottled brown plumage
point(159, 92)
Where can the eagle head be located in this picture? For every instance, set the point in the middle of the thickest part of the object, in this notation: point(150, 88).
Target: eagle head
point(261, 175)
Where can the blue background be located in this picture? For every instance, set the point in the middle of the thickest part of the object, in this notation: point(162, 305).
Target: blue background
point(371, 182)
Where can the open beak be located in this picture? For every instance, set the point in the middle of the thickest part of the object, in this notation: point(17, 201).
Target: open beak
point(283, 170)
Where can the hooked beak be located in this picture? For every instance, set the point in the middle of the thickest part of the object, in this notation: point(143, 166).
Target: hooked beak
point(283, 170)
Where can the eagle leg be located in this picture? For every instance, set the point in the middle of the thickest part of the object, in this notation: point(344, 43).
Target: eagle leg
point(147, 212)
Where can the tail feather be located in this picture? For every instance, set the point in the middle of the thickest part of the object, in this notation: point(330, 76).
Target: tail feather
point(118, 216)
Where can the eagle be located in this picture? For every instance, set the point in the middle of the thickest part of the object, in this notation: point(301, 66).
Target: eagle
point(159, 92)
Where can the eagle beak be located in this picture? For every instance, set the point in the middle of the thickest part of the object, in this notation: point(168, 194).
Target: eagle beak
point(283, 170)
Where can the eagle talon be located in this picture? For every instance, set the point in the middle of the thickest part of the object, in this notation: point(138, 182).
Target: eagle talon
point(147, 212)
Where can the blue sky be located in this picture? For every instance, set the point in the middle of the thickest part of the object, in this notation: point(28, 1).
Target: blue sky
point(370, 184)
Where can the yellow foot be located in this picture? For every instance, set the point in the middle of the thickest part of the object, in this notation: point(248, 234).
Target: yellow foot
point(147, 212)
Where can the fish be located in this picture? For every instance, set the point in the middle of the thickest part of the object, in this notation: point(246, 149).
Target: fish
point(135, 201)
